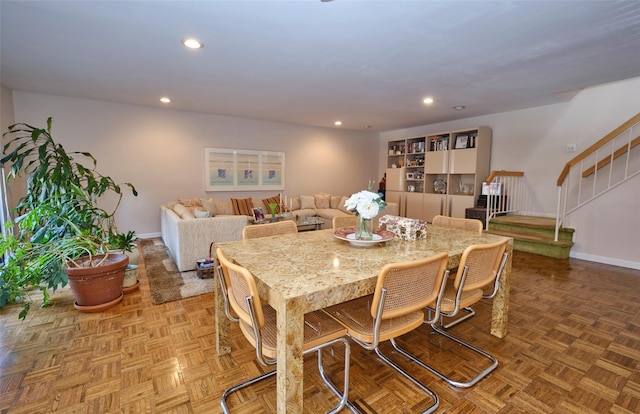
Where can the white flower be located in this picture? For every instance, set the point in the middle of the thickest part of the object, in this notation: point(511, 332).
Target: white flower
point(365, 203)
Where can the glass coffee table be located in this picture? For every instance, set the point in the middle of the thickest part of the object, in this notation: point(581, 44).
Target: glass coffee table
point(307, 223)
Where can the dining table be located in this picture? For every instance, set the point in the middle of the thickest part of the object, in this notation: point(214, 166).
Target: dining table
point(303, 272)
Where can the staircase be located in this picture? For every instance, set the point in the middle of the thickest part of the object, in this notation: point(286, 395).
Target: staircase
point(533, 234)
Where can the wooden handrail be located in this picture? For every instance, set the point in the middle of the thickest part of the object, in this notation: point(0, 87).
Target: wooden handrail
point(503, 173)
point(593, 148)
point(605, 161)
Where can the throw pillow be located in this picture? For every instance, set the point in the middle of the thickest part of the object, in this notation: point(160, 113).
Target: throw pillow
point(201, 213)
point(182, 211)
point(341, 207)
point(323, 200)
point(190, 202)
point(296, 203)
point(307, 202)
point(335, 202)
point(242, 206)
point(274, 199)
point(223, 207)
point(209, 205)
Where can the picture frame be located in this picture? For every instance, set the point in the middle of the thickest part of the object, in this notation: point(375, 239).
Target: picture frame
point(410, 176)
point(258, 215)
point(227, 169)
point(462, 141)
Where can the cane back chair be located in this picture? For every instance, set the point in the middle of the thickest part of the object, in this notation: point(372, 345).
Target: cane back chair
point(254, 231)
point(395, 308)
point(258, 323)
point(480, 268)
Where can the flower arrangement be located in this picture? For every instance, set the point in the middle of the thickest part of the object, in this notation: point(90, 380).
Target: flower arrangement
point(367, 205)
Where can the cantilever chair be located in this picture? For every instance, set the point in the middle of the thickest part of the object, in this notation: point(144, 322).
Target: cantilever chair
point(480, 267)
point(344, 221)
point(259, 326)
point(395, 308)
point(269, 229)
point(462, 224)
point(458, 223)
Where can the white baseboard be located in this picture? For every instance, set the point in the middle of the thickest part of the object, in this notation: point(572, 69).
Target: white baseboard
point(605, 260)
point(149, 235)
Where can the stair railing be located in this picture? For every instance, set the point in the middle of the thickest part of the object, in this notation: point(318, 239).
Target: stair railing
point(585, 177)
point(505, 193)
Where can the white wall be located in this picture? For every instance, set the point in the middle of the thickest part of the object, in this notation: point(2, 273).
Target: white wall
point(161, 151)
point(534, 140)
point(7, 118)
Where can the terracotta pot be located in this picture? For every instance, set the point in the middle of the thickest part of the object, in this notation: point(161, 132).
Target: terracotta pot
point(97, 285)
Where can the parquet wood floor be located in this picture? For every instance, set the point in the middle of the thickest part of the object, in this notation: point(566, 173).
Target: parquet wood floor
point(573, 346)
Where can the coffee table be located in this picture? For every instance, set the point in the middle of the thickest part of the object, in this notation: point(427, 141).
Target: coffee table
point(308, 223)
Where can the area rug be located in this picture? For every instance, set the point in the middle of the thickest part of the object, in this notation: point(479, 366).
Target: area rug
point(166, 283)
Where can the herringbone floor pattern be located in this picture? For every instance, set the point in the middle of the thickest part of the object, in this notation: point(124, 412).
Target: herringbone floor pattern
point(573, 347)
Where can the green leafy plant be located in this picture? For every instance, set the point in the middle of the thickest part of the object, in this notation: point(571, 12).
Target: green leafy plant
point(59, 218)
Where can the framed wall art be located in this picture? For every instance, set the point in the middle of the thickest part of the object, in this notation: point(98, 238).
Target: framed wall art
point(233, 170)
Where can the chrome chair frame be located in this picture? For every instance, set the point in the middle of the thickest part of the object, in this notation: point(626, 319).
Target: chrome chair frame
point(343, 396)
point(436, 329)
point(374, 344)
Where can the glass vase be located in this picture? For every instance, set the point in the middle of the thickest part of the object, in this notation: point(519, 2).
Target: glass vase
point(364, 231)
point(272, 207)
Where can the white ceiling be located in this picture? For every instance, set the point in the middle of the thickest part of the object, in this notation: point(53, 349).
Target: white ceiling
point(367, 63)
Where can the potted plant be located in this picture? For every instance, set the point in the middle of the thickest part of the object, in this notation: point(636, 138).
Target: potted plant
point(126, 243)
point(60, 225)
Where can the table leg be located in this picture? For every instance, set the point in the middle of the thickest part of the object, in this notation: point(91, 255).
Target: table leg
point(500, 310)
point(223, 325)
point(290, 359)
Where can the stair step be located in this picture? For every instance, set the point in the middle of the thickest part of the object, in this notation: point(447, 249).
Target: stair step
point(534, 234)
point(531, 238)
point(541, 227)
point(526, 221)
point(536, 244)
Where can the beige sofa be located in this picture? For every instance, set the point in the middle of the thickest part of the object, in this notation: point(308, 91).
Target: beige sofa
point(189, 226)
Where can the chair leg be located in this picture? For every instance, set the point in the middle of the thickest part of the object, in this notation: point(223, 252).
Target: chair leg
point(433, 395)
point(245, 384)
point(344, 401)
point(342, 395)
point(473, 381)
point(469, 313)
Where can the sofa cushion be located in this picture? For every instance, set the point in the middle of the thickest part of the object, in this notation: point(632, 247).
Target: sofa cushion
point(223, 207)
point(190, 202)
point(330, 213)
point(242, 206)
point(307, 202)
point(201, 213)
point(183, 211)
point(341, 206)
point(209, 205)
point(274, 199)
point(335, 201)
point(296, 205)
point(323, 200)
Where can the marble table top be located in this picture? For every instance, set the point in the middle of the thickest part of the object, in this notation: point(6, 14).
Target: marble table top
point(310, 263)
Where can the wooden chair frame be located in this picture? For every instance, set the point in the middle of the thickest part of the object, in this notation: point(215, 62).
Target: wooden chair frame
point(339, 222)
point(253, 231)
point(458, 223)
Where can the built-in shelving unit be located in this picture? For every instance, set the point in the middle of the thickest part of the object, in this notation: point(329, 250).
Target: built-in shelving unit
point(444, 171)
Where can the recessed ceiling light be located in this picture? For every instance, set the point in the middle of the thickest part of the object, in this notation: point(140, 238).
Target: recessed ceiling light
point(338, 123)
point(459, 107)
point(192, 43)
point(164, 99)
point(428, 100)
